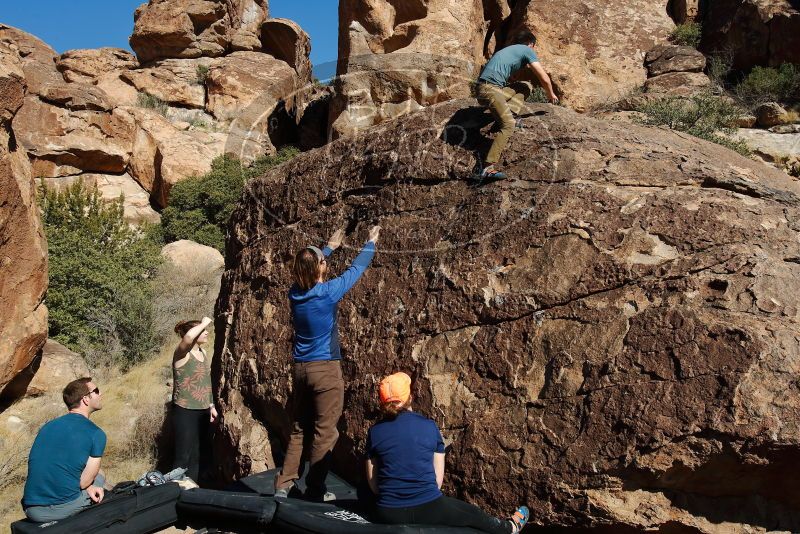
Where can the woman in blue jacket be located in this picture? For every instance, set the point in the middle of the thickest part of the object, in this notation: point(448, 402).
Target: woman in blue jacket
point(318, 387)
point(405, 469)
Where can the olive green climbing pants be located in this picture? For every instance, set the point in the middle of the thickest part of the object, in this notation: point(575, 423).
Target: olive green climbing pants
point(502, 101)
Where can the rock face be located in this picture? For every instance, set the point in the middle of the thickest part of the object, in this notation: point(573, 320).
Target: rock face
point(23, 250)
point(397, 56)
point(196, 28)
point(57, 368)
point(593, 50)
point(203, 85)
point(674, 58)
point(757, 32)
point(611, 337)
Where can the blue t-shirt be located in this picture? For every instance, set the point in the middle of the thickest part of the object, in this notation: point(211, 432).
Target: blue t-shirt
point(401, 450)
point(58, 457)
point(314, 312)
point(506, 62)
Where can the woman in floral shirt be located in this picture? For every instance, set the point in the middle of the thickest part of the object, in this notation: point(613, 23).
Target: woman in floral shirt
point(192, 402)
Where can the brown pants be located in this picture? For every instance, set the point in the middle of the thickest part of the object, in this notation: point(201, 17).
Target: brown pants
point(318, 402)
point(502, 101)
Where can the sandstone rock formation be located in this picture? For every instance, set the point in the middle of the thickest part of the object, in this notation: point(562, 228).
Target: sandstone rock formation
point(594, 50)
point(285, 40)
point(87, 65)
point(57, 368)
point(395, 57)
point(780, 149)
point(23, 250)
point(755, 32)
point(609, 336)
point(196, 28)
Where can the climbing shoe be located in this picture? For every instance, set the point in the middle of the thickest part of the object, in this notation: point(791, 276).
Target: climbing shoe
point(520, 518)
point(490, 174)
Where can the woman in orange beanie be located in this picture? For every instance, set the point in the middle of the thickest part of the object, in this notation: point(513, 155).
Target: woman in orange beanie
point(405, 469)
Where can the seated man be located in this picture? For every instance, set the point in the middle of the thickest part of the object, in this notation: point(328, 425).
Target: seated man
point(64, 464)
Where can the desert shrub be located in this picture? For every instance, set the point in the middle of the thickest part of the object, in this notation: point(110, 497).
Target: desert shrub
point(100, 295)
point(538, 96)
point(768, 84)
point(705, 116)
point(202, 74)
point(687, 34)
point(719, 68)
point(199, 208)
point(148, 101)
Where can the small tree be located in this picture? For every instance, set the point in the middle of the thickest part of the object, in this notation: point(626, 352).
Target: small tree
point(199, 208)
point(99, 295)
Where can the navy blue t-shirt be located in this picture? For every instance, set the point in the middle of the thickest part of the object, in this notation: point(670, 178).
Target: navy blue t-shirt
point(401, 450)
point(58, 457)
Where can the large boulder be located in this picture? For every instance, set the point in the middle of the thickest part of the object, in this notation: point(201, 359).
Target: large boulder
point(674, 58)
point(37, 59)
point(23, 250)
point(196, 28)
point(593, 49)
point(163, 155)
point(57, 368)
point(395, 57)
point(62, 141)
point(609, 336)
point(754, 32)
point(199, 267)
point(87, 65)
point(285, 40)
point(178, 82)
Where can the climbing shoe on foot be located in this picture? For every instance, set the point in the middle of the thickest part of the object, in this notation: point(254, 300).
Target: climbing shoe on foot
point(520, 518)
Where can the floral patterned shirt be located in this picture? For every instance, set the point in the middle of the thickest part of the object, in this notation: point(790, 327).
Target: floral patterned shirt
point(191, 384)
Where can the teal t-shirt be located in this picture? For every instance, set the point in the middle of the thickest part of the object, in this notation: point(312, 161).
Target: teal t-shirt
point(58, 457)
point(506, 62)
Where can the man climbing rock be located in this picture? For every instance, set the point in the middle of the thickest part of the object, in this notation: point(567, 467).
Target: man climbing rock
point(492, 92)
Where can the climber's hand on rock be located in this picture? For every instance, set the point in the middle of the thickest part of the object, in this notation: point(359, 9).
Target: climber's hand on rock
point(374, 233)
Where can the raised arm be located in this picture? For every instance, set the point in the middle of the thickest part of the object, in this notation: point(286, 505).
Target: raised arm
point(341, 285)
point(544, 80)
point(187, 342)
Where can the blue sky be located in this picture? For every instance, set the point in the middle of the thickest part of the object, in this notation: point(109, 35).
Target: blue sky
point(68, 24)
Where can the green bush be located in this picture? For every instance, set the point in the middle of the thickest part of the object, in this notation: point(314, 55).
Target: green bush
point(148, 101)
point(705, 116)
point(199, 208)
point(202, 74)
point(767, 84)
point(538, 96)
point(100, 295)
point(687, 34)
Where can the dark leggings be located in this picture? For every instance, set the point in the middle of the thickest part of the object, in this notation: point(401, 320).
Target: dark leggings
point(444, 511)
point(192, 440)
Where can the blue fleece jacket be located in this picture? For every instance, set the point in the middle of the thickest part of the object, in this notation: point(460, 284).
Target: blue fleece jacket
point(314, 312)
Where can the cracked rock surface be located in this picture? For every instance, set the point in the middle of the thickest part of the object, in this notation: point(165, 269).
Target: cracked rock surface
point(610, 335)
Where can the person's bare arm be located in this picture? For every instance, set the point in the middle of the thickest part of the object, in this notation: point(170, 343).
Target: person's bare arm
point(438, 467)
point(371, 480)
point(181, 355)
point(544, 80)
point(90, 472)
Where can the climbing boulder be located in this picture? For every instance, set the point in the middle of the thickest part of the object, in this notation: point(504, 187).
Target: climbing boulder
point(609, 335)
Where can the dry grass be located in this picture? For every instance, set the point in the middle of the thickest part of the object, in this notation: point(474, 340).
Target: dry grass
point(132, 415)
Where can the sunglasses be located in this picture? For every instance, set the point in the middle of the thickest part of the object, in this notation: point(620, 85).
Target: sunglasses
point(96, 391)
